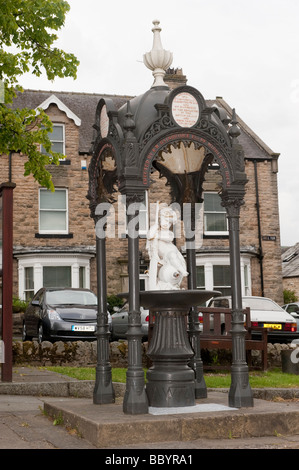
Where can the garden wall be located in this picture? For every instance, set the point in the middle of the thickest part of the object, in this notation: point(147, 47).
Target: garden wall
point(84, 353)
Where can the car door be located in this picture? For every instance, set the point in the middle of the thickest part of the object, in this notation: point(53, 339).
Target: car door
point(37, 306)
point(120, 322)
point(28, 318)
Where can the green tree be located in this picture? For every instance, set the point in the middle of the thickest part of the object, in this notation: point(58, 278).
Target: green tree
point(27, 36)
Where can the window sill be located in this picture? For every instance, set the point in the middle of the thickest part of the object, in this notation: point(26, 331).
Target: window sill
point(61, 163)
point(219, 237)
point(54, 235)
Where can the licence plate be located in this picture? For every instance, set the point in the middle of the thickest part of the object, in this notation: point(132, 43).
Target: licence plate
point(274, 326)
point(83, 328)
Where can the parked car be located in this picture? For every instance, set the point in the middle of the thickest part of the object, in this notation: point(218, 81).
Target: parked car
point(61, 314)
point(119, 326)
point(293, 309)
point(265, 313)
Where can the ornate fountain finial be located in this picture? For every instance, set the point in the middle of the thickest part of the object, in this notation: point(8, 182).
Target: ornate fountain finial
point(129, 123)
point(234, 131)
point(158, 59)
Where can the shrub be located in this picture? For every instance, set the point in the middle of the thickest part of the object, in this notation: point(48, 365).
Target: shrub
point(289, 296)
point(114, 301)
point(18, 305)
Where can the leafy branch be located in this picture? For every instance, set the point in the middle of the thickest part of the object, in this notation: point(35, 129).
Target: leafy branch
point(27, 35)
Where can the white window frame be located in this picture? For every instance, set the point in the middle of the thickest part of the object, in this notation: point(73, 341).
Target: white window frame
point(38, 262)
point(69, 270)
point(213, 232)
point(144, 277)
point(226, 286)
point(28, 290)
point(57, 124)
point(66, 210)
point(223, 260)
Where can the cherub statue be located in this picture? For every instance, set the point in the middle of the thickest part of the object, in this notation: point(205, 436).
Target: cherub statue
point(167, 265)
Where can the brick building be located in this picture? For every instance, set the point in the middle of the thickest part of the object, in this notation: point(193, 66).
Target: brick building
point(54, 235)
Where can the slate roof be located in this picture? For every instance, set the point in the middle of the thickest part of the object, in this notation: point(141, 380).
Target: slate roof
point(290, 261)
point(84, 106)
point(253, 145)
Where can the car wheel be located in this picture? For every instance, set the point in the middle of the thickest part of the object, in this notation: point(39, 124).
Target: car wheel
point(25, 337)
point(41, 335)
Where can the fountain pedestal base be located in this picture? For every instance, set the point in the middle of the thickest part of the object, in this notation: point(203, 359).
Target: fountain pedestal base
point(170, 381)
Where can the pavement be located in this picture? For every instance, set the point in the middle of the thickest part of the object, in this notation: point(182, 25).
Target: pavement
point(40, 409)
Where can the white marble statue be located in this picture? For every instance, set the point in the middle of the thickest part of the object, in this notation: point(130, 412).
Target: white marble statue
point(167, 265)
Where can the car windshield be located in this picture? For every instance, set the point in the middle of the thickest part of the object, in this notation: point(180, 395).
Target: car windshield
point(70, 297)
point(260, 304)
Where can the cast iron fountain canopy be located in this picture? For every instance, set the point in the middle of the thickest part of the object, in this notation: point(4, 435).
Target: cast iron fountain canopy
point(175, 133)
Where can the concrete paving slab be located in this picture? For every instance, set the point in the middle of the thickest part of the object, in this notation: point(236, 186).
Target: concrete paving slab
point(38, 374)
point(23, 425)
point(36, 381)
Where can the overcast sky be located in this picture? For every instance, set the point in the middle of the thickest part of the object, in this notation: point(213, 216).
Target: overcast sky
point(245, 51)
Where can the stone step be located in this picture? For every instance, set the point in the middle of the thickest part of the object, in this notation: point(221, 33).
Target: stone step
point(107, 425)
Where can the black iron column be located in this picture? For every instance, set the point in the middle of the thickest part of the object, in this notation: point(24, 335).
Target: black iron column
point(194, 332)
point(240, 393)
point(135, 399)
point(103, 390)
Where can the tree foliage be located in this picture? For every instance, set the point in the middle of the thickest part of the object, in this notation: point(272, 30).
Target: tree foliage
point(27, 36)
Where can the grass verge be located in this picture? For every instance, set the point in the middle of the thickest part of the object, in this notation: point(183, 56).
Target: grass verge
point(258, 379)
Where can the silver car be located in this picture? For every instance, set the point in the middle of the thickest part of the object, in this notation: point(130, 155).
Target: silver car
point(265, 313)
point(293, 309)
point(119, 325)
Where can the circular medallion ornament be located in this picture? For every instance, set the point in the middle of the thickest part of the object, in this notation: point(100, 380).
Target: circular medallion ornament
point(104, 121)
point(185, 109)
